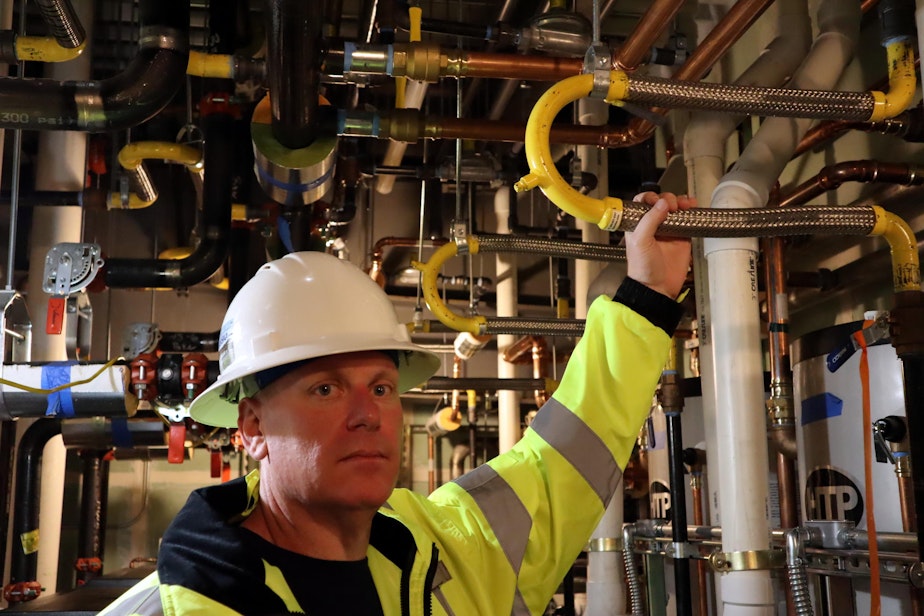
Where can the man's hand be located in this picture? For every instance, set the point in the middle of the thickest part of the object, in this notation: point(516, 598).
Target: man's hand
point(660, 263)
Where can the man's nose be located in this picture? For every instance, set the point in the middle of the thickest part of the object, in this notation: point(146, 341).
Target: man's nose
point(365, 410)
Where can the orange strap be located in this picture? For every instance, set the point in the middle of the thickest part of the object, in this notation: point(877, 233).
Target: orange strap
point(874, 590)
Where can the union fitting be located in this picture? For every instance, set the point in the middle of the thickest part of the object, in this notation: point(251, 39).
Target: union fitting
point(420, 61)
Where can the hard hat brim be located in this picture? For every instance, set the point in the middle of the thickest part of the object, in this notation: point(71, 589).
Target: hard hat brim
point(415, 365)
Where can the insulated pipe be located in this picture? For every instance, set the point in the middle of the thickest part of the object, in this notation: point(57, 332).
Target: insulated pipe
point(132, 158)
point(137, 94)
point(93, 498)
point(293, 69)
point(24, 557)
point(214, 224)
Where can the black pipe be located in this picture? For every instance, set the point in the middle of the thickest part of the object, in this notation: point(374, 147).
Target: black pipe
point(214, 223)
point(189, 342)
point(93, 497)
point(125, 100)
point(293, 68)
point(23, 566)
point(7, 445)
point(913, 377)
point(672, 403)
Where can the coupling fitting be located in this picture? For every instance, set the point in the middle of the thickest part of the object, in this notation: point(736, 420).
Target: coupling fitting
point(779, 405)
point(669, 395)
point(402, 125)
point(420, 61)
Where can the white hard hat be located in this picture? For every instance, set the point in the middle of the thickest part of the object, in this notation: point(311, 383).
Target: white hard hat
point(302, 306)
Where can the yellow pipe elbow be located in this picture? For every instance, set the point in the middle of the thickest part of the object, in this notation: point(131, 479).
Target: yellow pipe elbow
point(45, 49)
point(214, 65)
point(902, 83)
point(132, 155)
point(430, 287)
point(906, 266)
point(606, 212)
point(134, 202)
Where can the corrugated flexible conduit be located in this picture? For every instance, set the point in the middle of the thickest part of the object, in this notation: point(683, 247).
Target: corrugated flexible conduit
point(69, 37)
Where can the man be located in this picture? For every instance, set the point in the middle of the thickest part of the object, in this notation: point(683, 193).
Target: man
point(315, 396)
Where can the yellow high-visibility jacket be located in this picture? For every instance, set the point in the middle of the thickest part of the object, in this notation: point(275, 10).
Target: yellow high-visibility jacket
point(499, 539)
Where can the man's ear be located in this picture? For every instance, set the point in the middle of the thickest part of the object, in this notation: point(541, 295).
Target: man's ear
point(249, 427)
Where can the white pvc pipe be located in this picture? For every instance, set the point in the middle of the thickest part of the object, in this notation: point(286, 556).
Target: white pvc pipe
point(61, 166)
point(508, 402)
point(413, 99)
point(605, 574)
point(919, 22)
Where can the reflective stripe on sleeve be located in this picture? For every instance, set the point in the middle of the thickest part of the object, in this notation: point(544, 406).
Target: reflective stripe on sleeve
point(578, 444)
point(503, 510)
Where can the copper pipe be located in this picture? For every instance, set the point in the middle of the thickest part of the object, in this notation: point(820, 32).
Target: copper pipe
point(506, 66)
point(540, 355)
point(696, 491)
point(431, 463)
point(638, 45)
point(536, 346)
point(833, 176)
point(726, 33)
point(378, 251)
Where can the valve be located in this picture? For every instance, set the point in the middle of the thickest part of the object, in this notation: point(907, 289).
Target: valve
point(195, 371)
point(144, 376)
point(22, 591)
point(92, 564)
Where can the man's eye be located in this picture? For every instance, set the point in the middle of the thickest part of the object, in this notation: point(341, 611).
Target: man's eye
point(324, 390)
point(382, 390)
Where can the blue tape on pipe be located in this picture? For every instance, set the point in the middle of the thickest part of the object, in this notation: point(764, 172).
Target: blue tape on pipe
point(60, 403)
point(821, 406)
point(121, 435)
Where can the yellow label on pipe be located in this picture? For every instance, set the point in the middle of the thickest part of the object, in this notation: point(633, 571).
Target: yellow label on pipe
point(30, 541)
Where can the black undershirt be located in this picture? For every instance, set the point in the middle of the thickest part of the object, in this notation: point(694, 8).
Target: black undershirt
point(322, 586)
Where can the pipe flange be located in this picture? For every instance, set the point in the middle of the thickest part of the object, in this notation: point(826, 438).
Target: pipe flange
point(747, 560)
point(291, 177)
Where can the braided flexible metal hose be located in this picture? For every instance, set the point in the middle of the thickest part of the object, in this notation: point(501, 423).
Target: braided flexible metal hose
point(523, 326)
point(550, 247)
point(780, 102)
point(759, 222)
point(60, 15)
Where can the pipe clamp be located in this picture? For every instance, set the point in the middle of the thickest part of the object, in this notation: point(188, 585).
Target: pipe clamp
point(604, 544)
point(747, 560)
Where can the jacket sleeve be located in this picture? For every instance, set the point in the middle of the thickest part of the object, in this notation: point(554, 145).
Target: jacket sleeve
point(520, 520)
point(151, 598)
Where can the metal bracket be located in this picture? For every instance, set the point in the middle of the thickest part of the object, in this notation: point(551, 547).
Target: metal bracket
point(597, 61)
point(70, 267)
point(604, 544)
point(460, 237)
point(677, 549)
point(748, 560)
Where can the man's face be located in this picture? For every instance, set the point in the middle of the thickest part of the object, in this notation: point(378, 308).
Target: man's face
point(329, 432)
